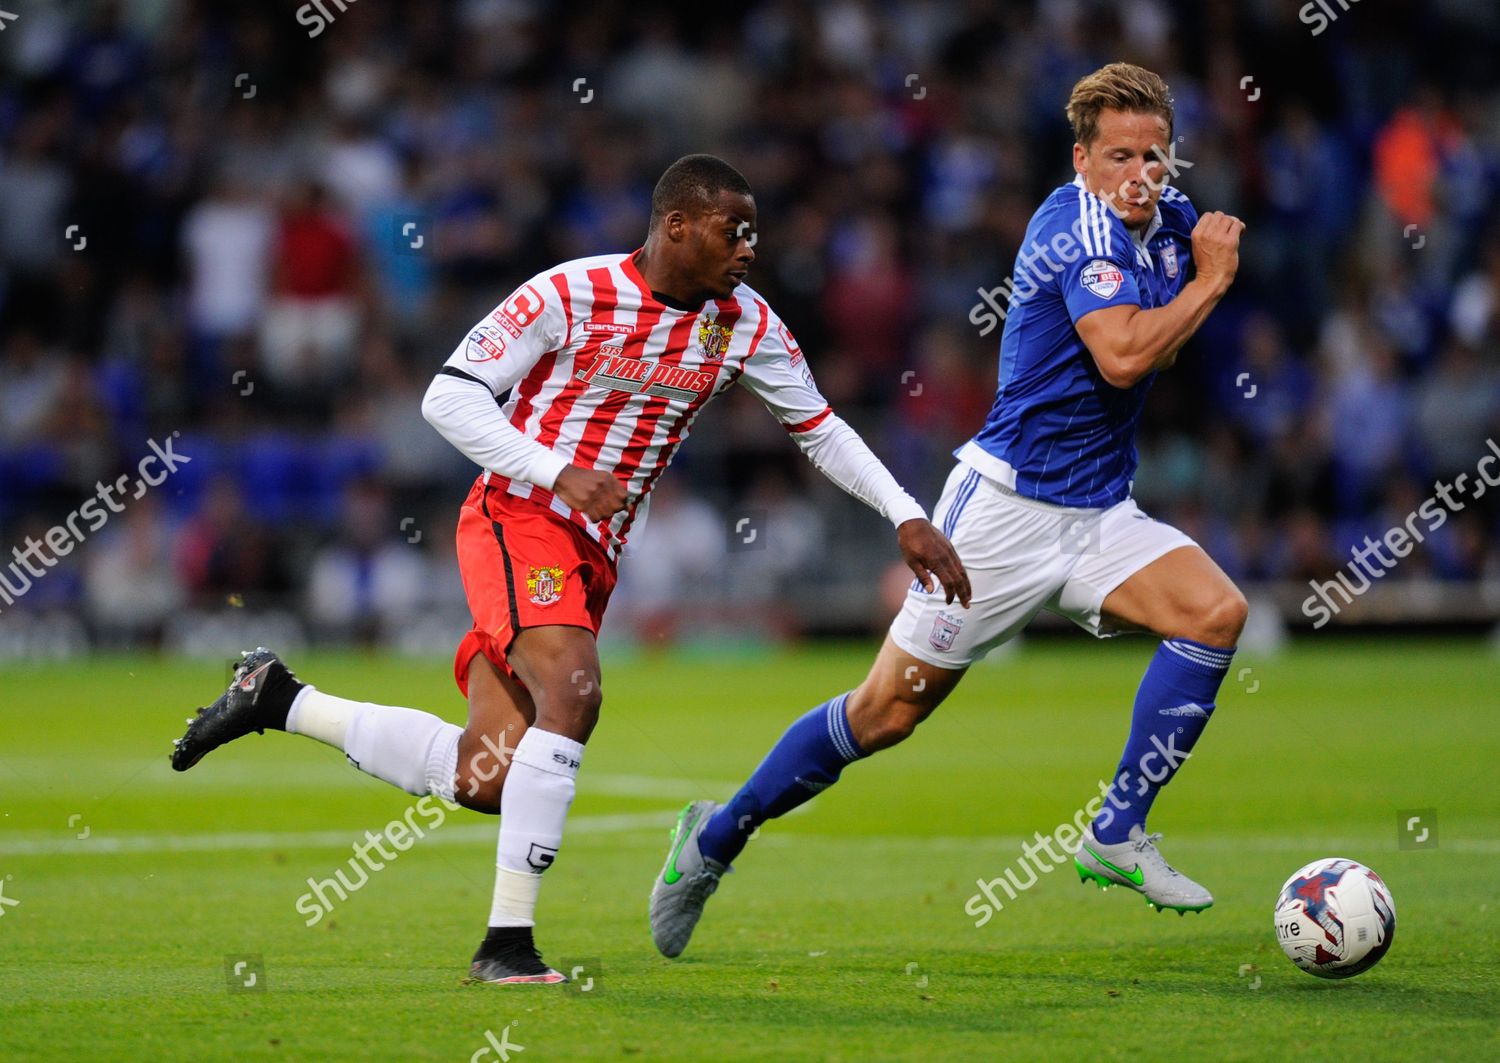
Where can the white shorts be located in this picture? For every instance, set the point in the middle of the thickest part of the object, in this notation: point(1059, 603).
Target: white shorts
point(1024, 556)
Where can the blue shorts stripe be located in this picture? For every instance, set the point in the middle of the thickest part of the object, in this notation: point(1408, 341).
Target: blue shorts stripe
point(965, 492)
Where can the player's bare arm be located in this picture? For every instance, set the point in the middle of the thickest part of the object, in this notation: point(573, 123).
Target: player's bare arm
point(1129, 343)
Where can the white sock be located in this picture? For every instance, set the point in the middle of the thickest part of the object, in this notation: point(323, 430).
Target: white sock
point(533, 806)
point(408, 748)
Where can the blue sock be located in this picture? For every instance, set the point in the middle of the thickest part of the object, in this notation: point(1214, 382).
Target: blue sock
point(1172, 708)
point(805, 762)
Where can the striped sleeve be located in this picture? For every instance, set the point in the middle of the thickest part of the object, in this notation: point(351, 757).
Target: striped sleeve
point(1102, 275)
point(777, 373)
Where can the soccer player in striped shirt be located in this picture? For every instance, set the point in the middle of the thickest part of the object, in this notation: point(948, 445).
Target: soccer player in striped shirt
point(1040, 511)
point(572, 396)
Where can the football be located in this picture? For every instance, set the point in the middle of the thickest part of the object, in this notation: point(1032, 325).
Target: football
point(1335, 918)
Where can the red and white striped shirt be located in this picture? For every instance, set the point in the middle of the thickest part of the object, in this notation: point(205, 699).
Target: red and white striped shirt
point(590, 369)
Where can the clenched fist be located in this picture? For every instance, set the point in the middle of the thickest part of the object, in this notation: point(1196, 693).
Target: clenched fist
point(597, 495)
point(1216, 246)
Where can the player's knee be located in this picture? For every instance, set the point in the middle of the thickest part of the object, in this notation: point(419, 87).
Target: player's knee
point(479, 776)
point(1220, 622)
point(478, 791)
point(572, 709)
point(893, 722)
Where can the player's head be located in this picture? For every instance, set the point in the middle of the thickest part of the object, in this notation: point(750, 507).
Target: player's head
point(1122, 128)
point(703, 224)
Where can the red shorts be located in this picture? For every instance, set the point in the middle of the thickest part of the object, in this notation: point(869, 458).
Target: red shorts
point(523, 566)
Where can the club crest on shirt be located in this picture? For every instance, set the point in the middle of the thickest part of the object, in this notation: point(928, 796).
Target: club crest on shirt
point(544, 584)
point(944, 630)
point(713, 340)
point(486, 343)
point(1169, 259)
point(1102, 278)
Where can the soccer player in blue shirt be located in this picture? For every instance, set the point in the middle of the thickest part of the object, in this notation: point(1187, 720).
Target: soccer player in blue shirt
point(1040, 511)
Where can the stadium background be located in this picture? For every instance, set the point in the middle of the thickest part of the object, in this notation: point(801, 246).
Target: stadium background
point(279, 238)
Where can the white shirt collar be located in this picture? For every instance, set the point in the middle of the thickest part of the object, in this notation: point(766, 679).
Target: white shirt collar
point(1141, 240)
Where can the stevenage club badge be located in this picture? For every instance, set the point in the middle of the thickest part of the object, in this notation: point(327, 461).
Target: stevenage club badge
point(545, 584)
point(713, 340)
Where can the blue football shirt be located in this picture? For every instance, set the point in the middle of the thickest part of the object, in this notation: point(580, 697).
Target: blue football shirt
point(1058, 432)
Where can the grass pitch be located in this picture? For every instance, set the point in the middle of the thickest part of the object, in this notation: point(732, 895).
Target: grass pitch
point(131, 894)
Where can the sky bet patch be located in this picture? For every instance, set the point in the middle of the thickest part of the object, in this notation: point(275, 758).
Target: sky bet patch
point(1102, 278)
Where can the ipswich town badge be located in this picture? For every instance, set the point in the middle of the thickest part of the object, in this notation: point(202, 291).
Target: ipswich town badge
point(944, 630)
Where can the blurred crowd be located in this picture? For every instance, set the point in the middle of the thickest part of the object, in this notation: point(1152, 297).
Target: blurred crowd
point(264, 225)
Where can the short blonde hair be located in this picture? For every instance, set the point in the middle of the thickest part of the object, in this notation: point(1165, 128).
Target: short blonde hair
point(1116, 87)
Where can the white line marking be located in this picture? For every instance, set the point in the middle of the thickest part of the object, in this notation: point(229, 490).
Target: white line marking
point(1001, 845)
point(447, 834)
point(624, 822)
point(228, 774)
